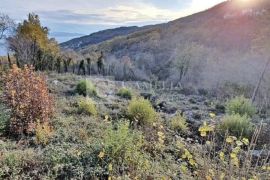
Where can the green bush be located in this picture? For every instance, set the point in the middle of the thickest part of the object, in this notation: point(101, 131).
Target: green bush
point(125, 93)
point(240, 105)
point(86, 88)
point(236, 125)
point(178, 123)
point(123, 147)
point(141, 111)
point(87, 106)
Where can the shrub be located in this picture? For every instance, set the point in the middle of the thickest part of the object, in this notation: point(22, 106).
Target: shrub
point(141, 111)
point(86, 88)
point(240, 105)
point(87, 106)
point(231, 158)
point(26, 95)
point(43, 133)
point(125, 93)
point(236, 125)
point(178, 123)
point(19, 164)
point(123, 147)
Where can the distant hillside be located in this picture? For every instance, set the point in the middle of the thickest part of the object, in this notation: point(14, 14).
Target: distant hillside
point(97, 37)
point(228, 42)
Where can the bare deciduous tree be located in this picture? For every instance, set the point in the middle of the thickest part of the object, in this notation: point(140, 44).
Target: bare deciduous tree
point(6, 24)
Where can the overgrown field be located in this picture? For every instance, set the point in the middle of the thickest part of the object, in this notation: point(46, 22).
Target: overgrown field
point(98, 128)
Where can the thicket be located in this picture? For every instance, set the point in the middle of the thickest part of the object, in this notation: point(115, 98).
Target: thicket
point(27, 96)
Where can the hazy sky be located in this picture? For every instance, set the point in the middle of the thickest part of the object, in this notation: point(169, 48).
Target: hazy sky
point(87, 16)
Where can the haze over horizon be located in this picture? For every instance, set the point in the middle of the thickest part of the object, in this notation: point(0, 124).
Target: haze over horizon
point(67, 20)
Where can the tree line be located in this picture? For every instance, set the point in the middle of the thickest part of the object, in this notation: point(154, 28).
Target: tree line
point(29, 44)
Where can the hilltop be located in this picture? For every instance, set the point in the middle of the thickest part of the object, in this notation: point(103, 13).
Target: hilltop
point(217, 42)
point(97, 37)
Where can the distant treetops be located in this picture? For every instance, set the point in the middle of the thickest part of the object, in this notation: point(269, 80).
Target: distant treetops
point(31, 44)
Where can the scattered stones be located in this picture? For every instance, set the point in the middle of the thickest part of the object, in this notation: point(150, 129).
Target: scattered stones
point(195, 108)
point(164, 107)
point(192, 101)
point(202, 92)
point(146, 95)
point(220, 108)
point(262, 154)
point(197, 116)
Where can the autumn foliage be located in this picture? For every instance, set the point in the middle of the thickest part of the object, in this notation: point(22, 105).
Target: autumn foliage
point(26, 94)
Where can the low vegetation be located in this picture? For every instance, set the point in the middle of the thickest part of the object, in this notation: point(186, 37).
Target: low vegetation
point(4, 118)
point(141, 112)
point(26, 94)
point(86, 88)
point(43, 133)
point(124, 148)
point(87, 106)
point(76, 143)
point(240, 105)
point(125, 93)
point(67, 127)
point(178, 123)
point(237, 125)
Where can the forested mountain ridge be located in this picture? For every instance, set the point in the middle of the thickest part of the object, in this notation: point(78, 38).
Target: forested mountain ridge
point(97, 37)
point(193, 49)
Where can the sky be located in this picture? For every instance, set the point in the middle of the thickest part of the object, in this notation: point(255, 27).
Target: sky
point(68, 19)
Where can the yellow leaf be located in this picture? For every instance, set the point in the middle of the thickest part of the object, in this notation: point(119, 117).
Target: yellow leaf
point(101, 155)
point(239, 143)
point(110, 167)
point(222, 176)
point(212, 115)
point(203, 134)
point(245, 141)
point(236, 150)
point(221, 156)
point(208, 142)
point(233, 155)
point(192, 162)
point(230, 139)
point(183, 168)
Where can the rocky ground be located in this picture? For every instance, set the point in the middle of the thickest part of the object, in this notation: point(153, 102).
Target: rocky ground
point(195, 106)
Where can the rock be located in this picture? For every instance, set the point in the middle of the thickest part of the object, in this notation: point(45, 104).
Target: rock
point(262, 154)
point(187, 91)
point(171, 110)
point(197, 116)
point(202, 92)
point(207, 103)
point(195, 108)
point(189, 140)
point(220, 108)
point(192, 101)
point(164, 107)
point(146, 95)
point(55, 82)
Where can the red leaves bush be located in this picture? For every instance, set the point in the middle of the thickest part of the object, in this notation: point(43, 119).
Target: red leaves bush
point(26, 94)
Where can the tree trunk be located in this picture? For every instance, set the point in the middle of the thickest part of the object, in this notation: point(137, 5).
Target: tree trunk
point(9, 61)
